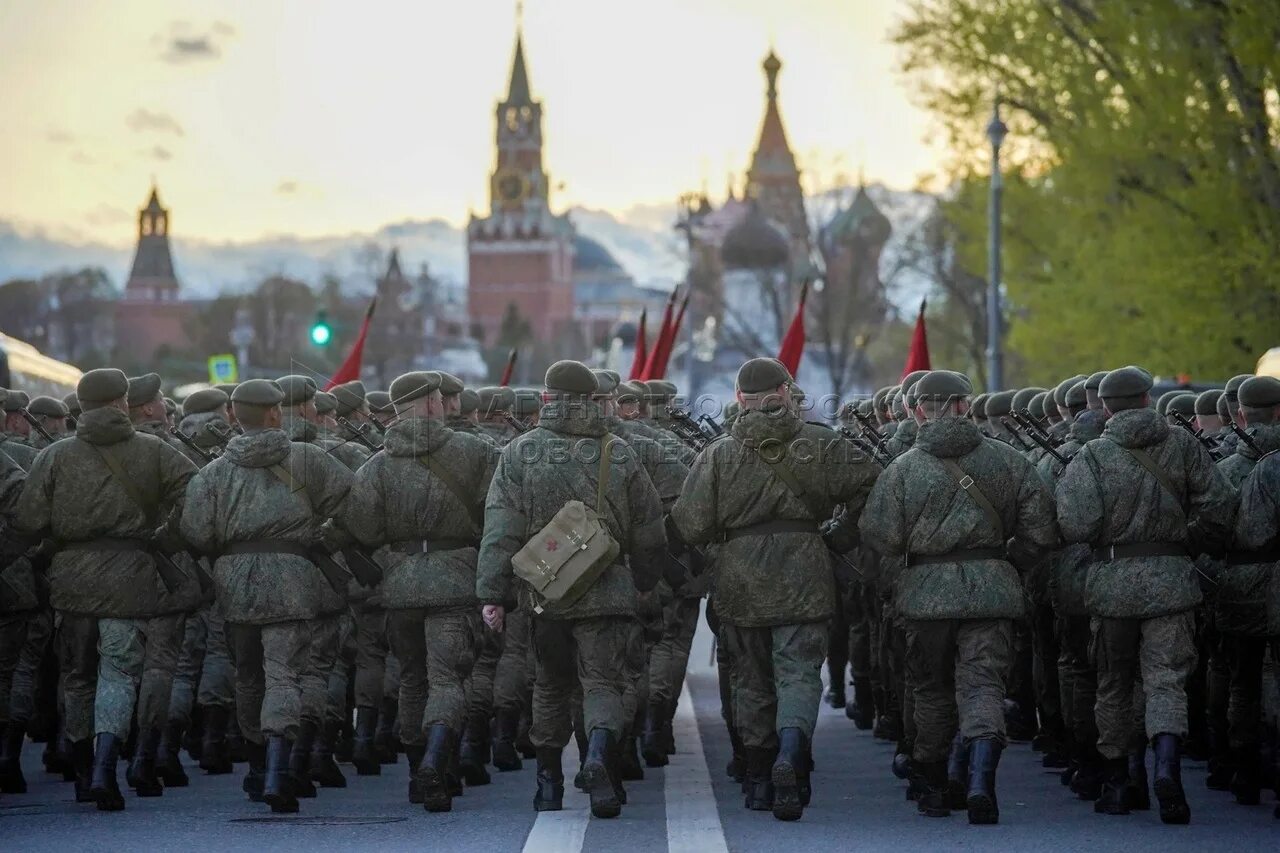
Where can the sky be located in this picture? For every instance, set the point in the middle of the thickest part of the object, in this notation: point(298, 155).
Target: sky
point(310, 117)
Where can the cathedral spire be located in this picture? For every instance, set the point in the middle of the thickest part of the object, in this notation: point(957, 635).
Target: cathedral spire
point(773, 138)
point(518, 92)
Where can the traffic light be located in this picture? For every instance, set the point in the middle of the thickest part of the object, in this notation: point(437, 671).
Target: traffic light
point(321, 332)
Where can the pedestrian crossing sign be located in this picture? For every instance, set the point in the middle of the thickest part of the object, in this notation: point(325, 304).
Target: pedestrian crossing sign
point(222, 368)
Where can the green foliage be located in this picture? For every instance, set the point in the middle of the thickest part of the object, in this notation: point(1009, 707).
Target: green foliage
point(1142, 203)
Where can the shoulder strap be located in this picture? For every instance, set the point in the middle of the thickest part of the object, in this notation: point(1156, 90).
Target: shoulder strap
point(455, 488)
point(1144, 459)
point(970, 487)
point(602, 477)
point(788, 478)
point(283, 475)
point(122, 479)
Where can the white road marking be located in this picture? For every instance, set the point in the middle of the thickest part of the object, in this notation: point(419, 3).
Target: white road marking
point(562, 831)
point(693, 820)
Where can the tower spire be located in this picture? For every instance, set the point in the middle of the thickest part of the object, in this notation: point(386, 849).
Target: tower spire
point(518, 92)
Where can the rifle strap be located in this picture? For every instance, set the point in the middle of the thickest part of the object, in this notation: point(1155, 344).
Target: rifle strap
point(970, 487)
point(455, 488)
point(602, 476)
point(122, 479)
point(784, 473)
point(283, 475)
point(1144, 459)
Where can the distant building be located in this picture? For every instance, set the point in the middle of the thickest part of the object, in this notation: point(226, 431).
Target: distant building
point(151, 314)
point(605, 294)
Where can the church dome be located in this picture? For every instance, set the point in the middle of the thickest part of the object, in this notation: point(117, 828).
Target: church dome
point(862, 219)
point(754, 243)
point(591, 256)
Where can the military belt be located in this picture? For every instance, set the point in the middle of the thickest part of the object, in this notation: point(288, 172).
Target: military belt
point(1249, 558)
point(1139, 549)
point(432, 546)
point(110, 543)
point(962, 555)
point(269, 546)
point(765, 528)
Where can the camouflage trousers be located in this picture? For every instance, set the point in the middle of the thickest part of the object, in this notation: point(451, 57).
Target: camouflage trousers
point(1044, 672)
point(670, 658)
point(1245, 656)
point(24, 639)
point(861, 607)
point(957, 670)
point(436, 649)
point(270, 661)
point(371, 648)
point(483, 673)
point(204, 672)
point(1077, 680)
point(113, 667)
point(511, 687)
point(322, 655)
point(1153, 655)
point(589, 654)
point(639, 683)
point(777, 679)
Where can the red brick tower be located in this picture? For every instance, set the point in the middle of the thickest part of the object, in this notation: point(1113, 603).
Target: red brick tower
point(150, 315)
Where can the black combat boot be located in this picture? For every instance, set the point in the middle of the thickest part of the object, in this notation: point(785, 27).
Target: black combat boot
point(1087, 781)
point(103, 786)
point(836, 697)
point(215, 755)
point(300, 761)
point(506, 722)
point(862, 710)
point(364, 754)
point(66, 755)
point(325, 771)
point(889, 726)
point(615, 770)
point(82, 763)
point(256, 753)
point(549, 796)
point(414, 753)
point(433, 775)
point(1247, 784)
point(168, 757)
point(1139, 791)
point(668, 725)
point(932, 784)
point(629, 767)
point(1115, 782)
point(958, 779)
point(595, 775)
point(277, 784)
point(11, 779)
point(652, 745)
point(984, 758)
point(736, 769)
point(523, 744)
point(454, 774)
point(471, 753)
point(789, 769)
point(193, 733)
point(237, 743)
point(758, 784)
point(1167, 778)
point(385, 744)
point(142, 769)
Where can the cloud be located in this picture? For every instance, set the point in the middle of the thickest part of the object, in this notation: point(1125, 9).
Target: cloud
point(106, 214)
point(287, 188)
point(59, 136)
point(157, 152)
point(186, 42)
point(143, 120)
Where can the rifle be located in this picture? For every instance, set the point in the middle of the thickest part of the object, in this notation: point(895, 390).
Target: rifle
point(687, 429)
point(1028, 422)
point(36, 425)
point(206, 455)
point(1045, 441)
point(1198, 434)
point(515, 423)
point(871, 433)
point(866, 446)
point(377, 424)
point(1248, 440)
point(363, 568)
point(713, 426)
point(221, 436)
point(358, 433)
point(1015, 434)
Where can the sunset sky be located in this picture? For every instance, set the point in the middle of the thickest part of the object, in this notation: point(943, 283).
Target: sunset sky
point(263, 118)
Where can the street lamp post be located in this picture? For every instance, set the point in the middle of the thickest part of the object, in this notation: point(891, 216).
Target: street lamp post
point(996, 132)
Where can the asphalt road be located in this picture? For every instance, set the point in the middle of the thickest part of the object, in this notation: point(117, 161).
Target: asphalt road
point(688, 806)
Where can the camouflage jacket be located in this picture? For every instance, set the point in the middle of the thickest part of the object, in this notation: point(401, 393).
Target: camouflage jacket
point(195, 428)
point(1106, 497)
point(1069, 565)
point(72, 496)
point(396, 500)
point(464, 424)
point(917, 508)
point(773, 578)
point(18, 449)
point(1244, 588)
point(903, 437)
point(635, 427)
point(239, 498)
point(17, 579)
point(541, 471)
point(342, 447)
point(501, 432)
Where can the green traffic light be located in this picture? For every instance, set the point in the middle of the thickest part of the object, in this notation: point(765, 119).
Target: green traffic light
point(320, 331)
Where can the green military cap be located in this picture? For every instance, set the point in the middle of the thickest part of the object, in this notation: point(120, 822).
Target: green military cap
point(912, 378)
point(326, 403)
point(379, 402)
point(1259, 392)
point(495, 399)
point(47, 407)
point(1023, 398)
point(1060, 390)
point(1128, 381)
point(171, 405)
point(877, 399)
point(450, 384)
point(942, 385)
point(1182, 404)
point(72, 402)
point(409, 387)
point(143, 389)
point(1232, 390)
point(660, 390)
point(866, 407)
point(978, 405)
point(999, 404)
point(608, 381)
point(258, 392)
point(104, 385)
point(1036, 406)
point(797, 393)
point(297, 388)
point(527, 402)
point(732, 409)
point(760, 375)
point(226, 388)
point(16, 400)
point(1094, 380)
point(1207, 402)
point(1076, 396)
point(1162, 404)
point(469, 401)
point(350, 396)
point(629, 392)
point(570, 377)
point(204, 400)
point(1224, 409)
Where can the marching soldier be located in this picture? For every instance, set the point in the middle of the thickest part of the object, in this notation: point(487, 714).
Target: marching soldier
point(52, 415)
point(19, 610)
point(14, 430)
point(493, 411)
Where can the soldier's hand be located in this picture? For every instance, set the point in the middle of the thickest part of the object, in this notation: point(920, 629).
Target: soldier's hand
point(493, 615)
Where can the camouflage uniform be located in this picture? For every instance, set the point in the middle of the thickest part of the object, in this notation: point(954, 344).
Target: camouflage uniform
point(19, 610)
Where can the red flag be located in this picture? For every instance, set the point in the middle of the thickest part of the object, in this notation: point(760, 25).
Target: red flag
point(642, 348)
point(793, 342)
point(660, 370)
point(918, 355)
point(506, 371)
point(350, 369)
point(651, 361)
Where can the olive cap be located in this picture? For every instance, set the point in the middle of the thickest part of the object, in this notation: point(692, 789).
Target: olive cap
point(350, 396)
point(72, 402)
point(607, 380)
point(258, 392)
point(411, 386)
point(1125, 382)
point(450, 384)
point(103, 385)
point(1094, 380)
point(1207, 402)
point(661, 390)
point(978, 406)
point(1224, 409)
point(495, 399)
point(1060, 390)
point(1232, 389)
point(877, 399)
point(1077, 396)
point(1162, 404)
point(1023, 398)
point(326, 403)
point(630, 392)
point(379, 402)
point(1259, 392)
point(1183, 404)
point(204, 400)
point(942, 385)
point(48, 407)
point(297, 389)
point(1036, 406)
point(16, 400)
point(760, 375)
point(570, 377)
point(143, 389)
point(226, 388)
point(469, 401)
point(527, 402)
point(1000, 404)
point(910, 380)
